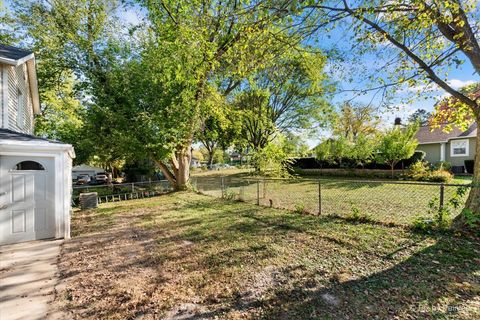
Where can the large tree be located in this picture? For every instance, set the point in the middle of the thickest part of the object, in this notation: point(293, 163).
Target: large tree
point(286, 96)
point(356, 119)
point(219, 132)
point(423, 40)
point(421, 116)
point(75, 44)
point(195, 53)
point(149, 91)
point(63, 117)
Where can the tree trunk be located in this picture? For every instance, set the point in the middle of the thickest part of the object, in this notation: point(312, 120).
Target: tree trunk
point(473, 200)
point(179, 173)
point(167, 173)
point(210, 158)
point(183, 175)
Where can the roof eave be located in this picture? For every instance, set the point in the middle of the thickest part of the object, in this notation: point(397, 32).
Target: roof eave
point(448, 140)
point(14, 62)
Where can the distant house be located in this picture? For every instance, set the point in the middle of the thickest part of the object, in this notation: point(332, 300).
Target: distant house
point(195, 162)
point(85, 170)
point(455, 146)
point(235, 156)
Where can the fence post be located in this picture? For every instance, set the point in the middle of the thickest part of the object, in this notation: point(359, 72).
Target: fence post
point(264, 188)
point(442, 195)
point(319, 197)
point(258, 192)
point(223, 187)
point(133, 187)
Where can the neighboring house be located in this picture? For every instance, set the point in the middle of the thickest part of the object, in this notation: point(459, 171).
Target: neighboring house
point(35, 173)
point(84, 169)
point(455, 146)
point(195, 162)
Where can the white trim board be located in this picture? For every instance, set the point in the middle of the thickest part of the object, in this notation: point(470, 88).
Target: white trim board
point(5, 97)
point(467, 148)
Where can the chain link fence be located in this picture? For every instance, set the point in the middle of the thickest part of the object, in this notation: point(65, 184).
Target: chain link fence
point(122, 191)
point(387, 202)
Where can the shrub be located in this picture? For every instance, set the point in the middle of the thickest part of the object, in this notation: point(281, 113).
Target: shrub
point(442, 165)
point(439, 176)
point(271, 161)
point(420, 171)
point(472, 219)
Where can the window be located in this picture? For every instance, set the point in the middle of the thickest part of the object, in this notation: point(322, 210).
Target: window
point(28, 165)
point(459, 148)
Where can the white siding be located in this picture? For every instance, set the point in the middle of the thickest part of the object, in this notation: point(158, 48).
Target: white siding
point(2, 88)
point(20, 110)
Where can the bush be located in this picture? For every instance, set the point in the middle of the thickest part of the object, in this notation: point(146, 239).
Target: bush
point(439, 176)
point(271, 161)
point(420, 171)
point(442, 165)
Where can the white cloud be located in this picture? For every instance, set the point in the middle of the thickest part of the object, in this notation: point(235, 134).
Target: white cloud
point(457, 83)
point(435, 89)
point(400, 110)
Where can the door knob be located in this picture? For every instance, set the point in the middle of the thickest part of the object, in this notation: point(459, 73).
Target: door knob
point(3, 206)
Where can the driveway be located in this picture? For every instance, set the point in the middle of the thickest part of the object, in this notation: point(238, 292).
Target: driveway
point(28, 275)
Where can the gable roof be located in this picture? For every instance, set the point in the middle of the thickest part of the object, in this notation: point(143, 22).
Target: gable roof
point(84, 167)
point(16, 56)
point(6, 134)
point(425, 135)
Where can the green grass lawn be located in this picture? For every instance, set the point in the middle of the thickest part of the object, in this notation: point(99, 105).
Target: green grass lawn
point(189, 256)
point(382, 201)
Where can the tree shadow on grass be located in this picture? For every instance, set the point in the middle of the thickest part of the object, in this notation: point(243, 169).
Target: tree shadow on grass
point(242, 235)
point(432, 283)
point(439, 282)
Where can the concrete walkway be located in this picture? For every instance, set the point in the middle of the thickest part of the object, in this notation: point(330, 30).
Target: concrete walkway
point(28, 274)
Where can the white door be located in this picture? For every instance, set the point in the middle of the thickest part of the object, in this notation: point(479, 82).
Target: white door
point(27, 196)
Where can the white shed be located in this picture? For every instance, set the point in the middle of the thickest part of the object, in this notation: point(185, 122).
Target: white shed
point(35, 173)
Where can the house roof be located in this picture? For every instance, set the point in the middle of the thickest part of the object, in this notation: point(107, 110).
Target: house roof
point(6, 134)
point(84, 167)
point(16, 56)
point(426, 135)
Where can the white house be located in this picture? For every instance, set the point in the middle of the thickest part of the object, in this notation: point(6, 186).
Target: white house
point(35, 173)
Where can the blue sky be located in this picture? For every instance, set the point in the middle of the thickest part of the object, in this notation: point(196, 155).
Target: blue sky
point(406, 100)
